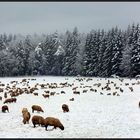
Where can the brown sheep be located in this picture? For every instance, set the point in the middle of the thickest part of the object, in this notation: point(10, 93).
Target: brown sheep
point(14, 100)
point(51, 121)
point(5, 95)
point(24, 110)
point(65, 108)
point(1, 89)
point(46, 95)
point(52, 93)
point(9, 100)
point(26, 117)
point(37, 108)
point(4, 108)
point(36, 119)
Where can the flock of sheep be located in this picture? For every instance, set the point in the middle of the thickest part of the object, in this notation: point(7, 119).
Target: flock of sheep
point(13, 91)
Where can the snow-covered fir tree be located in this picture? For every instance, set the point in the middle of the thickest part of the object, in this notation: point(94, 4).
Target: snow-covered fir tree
point(91, 53)
point(117, 48)
point(71, 51)
point(135, 54)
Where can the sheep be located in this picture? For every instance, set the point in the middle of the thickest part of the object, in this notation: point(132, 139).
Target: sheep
point(14, 100)
point(101, 93)
point(5, 95)
point(114, 93)
point(62, 92)
point(10, 100)
point(131, 89)
point(65, 108)
point(76, 92)
point(37, 108)
point(1, 89)
point(84, 91)
point(52, 93)
point(36, 119)
point(121, 89)
point(72, 99)
point(26, 117)
point(108, 88)
point(126, 84)
point(46, 95)
point(36, 94)
point(4, 108)
point(51, 121)
point(24, 110)
point(47, 91)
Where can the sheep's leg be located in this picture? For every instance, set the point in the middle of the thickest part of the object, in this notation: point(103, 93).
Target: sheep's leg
point(46, 127)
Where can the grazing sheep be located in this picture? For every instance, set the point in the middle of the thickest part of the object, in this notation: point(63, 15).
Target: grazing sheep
point(10, 100)
point(62, 92)
point(36, 94)
point(46, 95)
point(37, 108)
point(52, 93)
point(65, 108)
point(47, 91)
point(101, 93)
point(84, 91)
point(74, 88)
point(108, 88)
point(126, 84)
point(36, 119)
point(26, 117)
point(14, 100)
point(4, 108)
point(72, 99)
point(91, 89)
point(51, 121)
point(76, 92)
point(116, 87)
point(114, 93)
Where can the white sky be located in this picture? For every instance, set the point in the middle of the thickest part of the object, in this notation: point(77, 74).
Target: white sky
point(46, 17)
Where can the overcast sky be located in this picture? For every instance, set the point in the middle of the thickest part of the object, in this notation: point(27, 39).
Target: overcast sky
point(47, 17)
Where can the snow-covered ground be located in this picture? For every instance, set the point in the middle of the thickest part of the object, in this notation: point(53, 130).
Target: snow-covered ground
point(92, 115)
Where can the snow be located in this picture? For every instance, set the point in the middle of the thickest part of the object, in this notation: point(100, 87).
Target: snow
point(91, 115)
point(38, 49)
point(59, 51)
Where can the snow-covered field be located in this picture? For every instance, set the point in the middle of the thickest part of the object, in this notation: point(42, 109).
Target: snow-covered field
point(92, 114)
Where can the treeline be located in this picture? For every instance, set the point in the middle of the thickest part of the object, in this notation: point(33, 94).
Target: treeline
point(98, 53)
